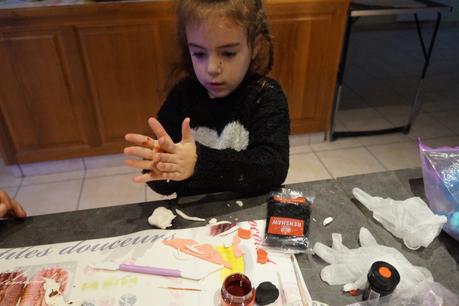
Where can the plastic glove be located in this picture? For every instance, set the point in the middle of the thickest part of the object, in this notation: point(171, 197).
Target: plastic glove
point(410, 220)
point(350, 266)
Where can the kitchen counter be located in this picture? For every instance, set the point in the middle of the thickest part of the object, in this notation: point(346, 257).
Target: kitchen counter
point(332, 198)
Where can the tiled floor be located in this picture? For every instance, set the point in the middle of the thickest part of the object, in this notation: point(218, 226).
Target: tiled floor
point(380, 82)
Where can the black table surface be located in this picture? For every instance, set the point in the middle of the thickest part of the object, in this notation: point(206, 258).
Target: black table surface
point(332, 198)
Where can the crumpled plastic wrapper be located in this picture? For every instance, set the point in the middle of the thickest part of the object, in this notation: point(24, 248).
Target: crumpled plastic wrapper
point(440, 171)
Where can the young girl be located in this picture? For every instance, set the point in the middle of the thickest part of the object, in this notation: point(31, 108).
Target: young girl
point(225, 125)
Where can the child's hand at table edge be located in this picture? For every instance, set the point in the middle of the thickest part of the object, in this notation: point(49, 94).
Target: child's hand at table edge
point(10, 207)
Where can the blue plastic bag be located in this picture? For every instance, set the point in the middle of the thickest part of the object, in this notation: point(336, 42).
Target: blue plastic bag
point(440, 170)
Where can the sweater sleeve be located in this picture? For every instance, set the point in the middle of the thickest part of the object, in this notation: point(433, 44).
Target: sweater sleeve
point(256, 169)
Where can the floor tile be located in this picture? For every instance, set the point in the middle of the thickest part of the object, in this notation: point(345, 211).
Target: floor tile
point(389, 100)
point(349, 162)
point(449, 119)
point(405, 87)
point(49, 167)
point(383, 139)
point(363, 120)
point(452, 94)
point(104, 161)
point(110, 190)
point(299, 143)
point(347, 104)
point(442, 142)
point(425, 126)
point(339, 125)
point(394, 111)
point(425, 129)
point(340, 143)
point(109, 171)
point(12, 169)
point(107, 165)
point(50, 198)
point(7, 179)
point(299, 139)
point(397, 155)
point(305, 167)
point(11, 191)
point(51, 178)
point(440, 104)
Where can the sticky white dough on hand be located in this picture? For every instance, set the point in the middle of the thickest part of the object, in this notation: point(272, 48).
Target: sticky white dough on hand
point(161, 217)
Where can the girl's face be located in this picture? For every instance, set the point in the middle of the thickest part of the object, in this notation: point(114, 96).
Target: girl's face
point(220, 54)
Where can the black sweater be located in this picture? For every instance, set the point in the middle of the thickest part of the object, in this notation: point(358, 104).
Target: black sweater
point(242, 139)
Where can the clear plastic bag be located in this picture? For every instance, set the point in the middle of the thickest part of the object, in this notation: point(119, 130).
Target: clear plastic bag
point(424, 294)
point(287, 223)
point(440, 170)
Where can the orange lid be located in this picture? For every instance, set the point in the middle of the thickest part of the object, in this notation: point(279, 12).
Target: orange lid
point(385, 272)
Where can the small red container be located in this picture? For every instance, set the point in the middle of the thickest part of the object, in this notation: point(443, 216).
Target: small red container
point(237, 290)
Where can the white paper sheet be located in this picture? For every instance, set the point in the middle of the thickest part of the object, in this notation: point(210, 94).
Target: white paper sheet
point(22, 270)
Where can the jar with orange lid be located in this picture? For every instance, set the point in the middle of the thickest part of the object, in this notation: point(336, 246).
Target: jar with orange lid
point(383, 278)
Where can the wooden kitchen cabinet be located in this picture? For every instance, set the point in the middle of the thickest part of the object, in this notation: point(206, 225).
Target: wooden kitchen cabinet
point(76, 78)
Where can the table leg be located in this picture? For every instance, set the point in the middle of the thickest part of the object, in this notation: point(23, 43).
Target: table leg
point(340, 77)
point(415, 106)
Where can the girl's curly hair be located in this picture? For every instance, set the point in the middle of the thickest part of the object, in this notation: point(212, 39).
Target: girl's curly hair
point(247, 13)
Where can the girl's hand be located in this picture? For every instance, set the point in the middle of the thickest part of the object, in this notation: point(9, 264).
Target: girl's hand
point(10, 206)
point(161, 156)
point(146, 149)
point(177, 161)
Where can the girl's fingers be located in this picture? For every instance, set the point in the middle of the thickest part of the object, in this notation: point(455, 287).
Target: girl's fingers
point(147, 177)
point(9, 206)
point(5, 204)
point(167, 167)
point(186, 131)
point(166, 158)
point(139, 164)
point(17, 209)
point(140, 140)
point(140, 152)
point(3, 210)
point(158, 128)
point(166, 144)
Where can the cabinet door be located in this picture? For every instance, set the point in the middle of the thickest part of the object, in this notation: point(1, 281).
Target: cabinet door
point(43, 106)
point(127, 66)
point(307, 43)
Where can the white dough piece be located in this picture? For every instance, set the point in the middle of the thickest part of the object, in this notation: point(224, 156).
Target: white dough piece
point(161, 217)
point(240, 203)
point(327, 221)
point(186, 217)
